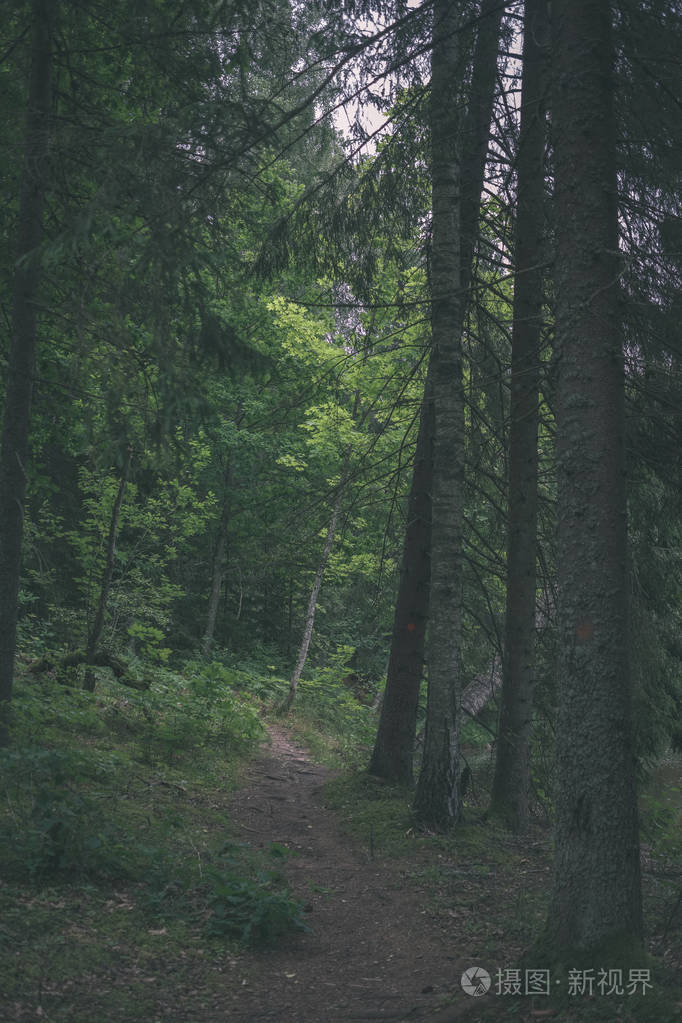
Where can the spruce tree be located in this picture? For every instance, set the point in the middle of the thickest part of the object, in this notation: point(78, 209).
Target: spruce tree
point(596, 899)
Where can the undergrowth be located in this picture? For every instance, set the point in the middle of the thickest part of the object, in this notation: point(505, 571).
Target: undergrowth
point(494, 887)
point(336, 723)
point(118, 853)
point(118, 799)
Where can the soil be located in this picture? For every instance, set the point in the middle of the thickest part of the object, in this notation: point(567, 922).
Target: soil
point(373, 951)
point(389, 937)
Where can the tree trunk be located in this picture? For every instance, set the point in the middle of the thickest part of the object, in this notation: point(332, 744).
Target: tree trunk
point(394, 746)
point(95, 632)
point(217, 578)
point(392, 757)
point(22, 354)
point(476, 134)
point(101, 658)
point(511, 782)
point(596, 900)
point(437, 801)
point(312, 603)
point(218, 573)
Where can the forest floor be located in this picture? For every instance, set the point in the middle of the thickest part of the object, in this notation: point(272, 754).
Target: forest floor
point(393, 917)
point(390, 936)
point(374, 951)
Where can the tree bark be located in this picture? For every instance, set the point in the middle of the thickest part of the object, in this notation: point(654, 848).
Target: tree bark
point(596, 899)
point(437, 802)
point(393, 753)
point(22, 355)
point(217, 578)
point(476, 133)
point(511, 783)
point(314, 593)
point(218, 573)
point(101, 658)
point(95, 632)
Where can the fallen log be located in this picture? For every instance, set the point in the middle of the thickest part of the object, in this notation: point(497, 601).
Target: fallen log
point(100, 659)
point(482, 689)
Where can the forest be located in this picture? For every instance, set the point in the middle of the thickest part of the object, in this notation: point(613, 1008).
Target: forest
point(340, 510)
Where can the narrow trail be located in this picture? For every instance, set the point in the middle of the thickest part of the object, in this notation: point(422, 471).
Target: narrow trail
point(374, 952)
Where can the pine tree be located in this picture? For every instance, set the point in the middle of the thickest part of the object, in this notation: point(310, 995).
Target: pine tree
point(436, 801)
point(512, 765)
point(393, 750)
point(596, 901)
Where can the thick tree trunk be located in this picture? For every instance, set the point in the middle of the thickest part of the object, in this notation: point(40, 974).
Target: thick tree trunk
point(394, 746)
point(314, 593)
point(95, 632)
point(392, 757)
point(436, 802)
point(512, 765)
point(17, 415)
point(596, 900)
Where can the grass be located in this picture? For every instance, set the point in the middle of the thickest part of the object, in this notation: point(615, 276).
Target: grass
point(122, 889)
point(326, 718)
point(491, 890)
point(124, 895)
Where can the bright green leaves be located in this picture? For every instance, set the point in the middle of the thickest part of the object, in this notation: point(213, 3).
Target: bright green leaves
point(299, 338)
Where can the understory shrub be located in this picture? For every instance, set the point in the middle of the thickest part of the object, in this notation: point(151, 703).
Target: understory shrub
point(253, 910)
point(60, 819)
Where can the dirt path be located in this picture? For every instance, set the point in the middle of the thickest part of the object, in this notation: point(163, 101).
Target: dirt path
point(373, 952)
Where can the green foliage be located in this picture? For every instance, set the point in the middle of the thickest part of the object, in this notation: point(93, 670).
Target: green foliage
point(149, 637)
point(255, 910)
point(60, 822)
point(181, 717)
point(244, 400)
point(335, 710)
point(661, 808)
point(68, 813)
point(377, 815)
point(327, 713)
point(80, 810)
point(48, 710)
point(331, 717)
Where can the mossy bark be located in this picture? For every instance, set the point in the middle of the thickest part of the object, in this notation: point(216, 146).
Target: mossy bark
point(596, 899)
